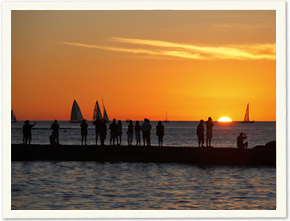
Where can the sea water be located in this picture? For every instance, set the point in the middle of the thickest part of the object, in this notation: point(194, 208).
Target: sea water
point(62, 185)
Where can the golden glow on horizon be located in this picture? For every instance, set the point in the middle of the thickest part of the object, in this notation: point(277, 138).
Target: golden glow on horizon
point(224, 119)
point(144, 63)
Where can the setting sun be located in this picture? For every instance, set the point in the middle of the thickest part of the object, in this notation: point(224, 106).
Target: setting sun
point(224, 119)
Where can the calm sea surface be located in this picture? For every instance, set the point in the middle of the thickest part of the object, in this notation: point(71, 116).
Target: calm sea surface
point(54, 185)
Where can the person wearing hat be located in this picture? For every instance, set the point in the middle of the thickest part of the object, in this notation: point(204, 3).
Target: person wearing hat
point(240, 141)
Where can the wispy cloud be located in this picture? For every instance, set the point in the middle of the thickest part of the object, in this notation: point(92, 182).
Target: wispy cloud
point(198, 52)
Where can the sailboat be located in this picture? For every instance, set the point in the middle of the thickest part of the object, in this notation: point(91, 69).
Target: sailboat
point(247, 117)
point(13, 118)
point(106, 118)
point(97, 111)
point(76, 114)
point(166, 121)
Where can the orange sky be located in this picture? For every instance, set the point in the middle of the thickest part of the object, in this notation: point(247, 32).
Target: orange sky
point(192, 64)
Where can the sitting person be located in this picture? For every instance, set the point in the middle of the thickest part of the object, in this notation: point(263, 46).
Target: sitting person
point(240, 141)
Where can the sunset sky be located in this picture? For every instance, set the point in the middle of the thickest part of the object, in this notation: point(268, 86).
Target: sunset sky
point(192, 64)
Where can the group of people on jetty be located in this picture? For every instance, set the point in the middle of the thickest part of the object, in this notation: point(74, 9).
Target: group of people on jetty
point(116, 133)
point(116, 129)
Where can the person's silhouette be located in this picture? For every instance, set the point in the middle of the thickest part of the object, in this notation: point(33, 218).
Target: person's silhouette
point(200, 133)
point(160, 133)
point(145, 131)
point(84, 131)
point(209, 124)
point(240, 141)
point(149, 133)
point(55, 128)
point(26, 130)
point(113, 127)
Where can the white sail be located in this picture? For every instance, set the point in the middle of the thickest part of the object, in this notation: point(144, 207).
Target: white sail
point(97, 111)
point(13, 117)
point(76, 114)
point(106, 118)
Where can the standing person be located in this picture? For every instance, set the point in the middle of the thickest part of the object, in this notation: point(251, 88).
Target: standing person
point(160, 133)
point(145, 127)
point(240, 141)
point(130, 133)
point(119, 132)
point(26, 130)
point(200, 133)
point(209, 124)
point(113, 127)
point(55, 128)
point(149, 133)
point(98, 126)
point(137, 129)
point(103, 133)
point(84, 131)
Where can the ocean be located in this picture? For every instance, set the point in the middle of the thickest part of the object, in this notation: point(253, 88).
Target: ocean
point(59, 185)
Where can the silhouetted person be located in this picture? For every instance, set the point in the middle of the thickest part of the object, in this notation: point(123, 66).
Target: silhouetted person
point(84, 131)
point(149, 134)
point(130, 133)
point(119, 133)
point(98, 126)
point(137, 129)
point(145, 131)
point(200, 133)
point(240, 141)
point(209, 124)
point(55, 128)
point(113, 127)
point(160, 133)
point(26, 130)
point(103, 133)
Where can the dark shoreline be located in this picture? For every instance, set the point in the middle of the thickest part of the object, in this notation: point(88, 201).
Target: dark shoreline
point(259, 156)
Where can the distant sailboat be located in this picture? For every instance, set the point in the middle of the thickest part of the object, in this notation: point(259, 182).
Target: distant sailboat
point(106, 118)
point(97, 111)
point(166, 121)
point(76, 114)
point(247, 116)
point(13, 117)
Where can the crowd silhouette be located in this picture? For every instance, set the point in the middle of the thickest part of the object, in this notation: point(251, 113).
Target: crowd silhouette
point(116, 133)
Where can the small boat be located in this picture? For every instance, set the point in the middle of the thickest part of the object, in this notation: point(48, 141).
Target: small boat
point(97, 111)
point(247, 116)
point(166, 121)
point(127, 121)
point(13, 117)
point(76, 114)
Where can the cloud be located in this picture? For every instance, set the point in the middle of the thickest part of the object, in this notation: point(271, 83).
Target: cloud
point(189, 51)
point(241, 52)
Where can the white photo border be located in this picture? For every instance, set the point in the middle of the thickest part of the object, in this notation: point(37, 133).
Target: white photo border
point(279, 6)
